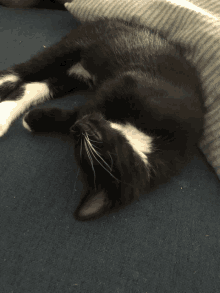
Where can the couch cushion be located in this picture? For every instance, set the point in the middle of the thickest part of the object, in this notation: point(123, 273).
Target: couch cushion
point(166, 242)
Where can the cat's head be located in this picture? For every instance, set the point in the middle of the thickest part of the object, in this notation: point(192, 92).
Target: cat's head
point(113, 164)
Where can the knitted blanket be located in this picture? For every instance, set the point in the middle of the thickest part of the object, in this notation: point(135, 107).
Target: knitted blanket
point(194, 24)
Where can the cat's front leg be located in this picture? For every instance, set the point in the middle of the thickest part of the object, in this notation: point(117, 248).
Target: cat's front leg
point(10, 81)
point(20, 98)
point(51, 73)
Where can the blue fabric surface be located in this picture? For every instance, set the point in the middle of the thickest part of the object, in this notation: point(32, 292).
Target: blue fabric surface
point(166, 242)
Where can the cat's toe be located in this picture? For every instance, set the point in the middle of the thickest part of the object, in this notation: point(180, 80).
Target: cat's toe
point(32, 120)
point(7, 114)
point(3, 129)
point(9, 81)
point(40, 120)
point(25, 123)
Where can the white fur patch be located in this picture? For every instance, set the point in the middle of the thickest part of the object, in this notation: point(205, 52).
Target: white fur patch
point(81, 72)
point(10, 77)
point(139, 141)
point(24, 123)
point(34, 93)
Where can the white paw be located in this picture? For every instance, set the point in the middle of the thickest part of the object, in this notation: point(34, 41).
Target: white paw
point(7, 113)
point(9, 78)
point(3, 129)
point(25, 123)
point(33, 93)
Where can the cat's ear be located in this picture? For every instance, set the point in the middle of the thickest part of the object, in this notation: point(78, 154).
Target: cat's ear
point(92, 206)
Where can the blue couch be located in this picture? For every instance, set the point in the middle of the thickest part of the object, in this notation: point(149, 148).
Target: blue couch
point(167, 242)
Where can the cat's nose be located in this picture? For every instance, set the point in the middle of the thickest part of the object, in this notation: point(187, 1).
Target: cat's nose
point(85, 127)
point(76, 128)
point(80, 126)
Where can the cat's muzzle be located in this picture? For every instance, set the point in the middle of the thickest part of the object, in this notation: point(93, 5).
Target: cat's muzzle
point(85, 127)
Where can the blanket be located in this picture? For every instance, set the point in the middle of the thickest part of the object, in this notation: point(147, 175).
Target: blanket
point(193, 24)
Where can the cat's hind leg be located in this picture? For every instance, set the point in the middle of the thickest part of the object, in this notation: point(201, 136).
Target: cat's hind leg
point(30, 94)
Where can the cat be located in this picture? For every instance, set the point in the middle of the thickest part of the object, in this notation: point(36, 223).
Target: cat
point(136, 132)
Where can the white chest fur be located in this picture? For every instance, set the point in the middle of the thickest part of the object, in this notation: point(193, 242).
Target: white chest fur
point(139, 141)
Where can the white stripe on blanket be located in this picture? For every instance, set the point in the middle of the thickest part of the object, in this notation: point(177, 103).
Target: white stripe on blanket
point(193, 24)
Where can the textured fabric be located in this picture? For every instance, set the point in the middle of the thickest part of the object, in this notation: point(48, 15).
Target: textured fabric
point(195, 25)
point(167, 242)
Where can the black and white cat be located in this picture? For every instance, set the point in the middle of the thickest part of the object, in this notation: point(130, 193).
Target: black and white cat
point(137, 130)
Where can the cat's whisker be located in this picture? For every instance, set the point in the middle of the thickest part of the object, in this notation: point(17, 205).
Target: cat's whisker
point(102, 165)
point(105, 162)
point(96, 147)
point(97, 152)
point(86, 134)
point(88, 139)
point(81, 149)
point(87, 151)
point(91, 161)
point(111, 160)
point(93, 152)
point(111, 170)
point(93, 140)
point(105, 168)
point(94, 136)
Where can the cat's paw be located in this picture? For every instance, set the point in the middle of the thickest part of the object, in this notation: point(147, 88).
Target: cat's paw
point(34, 120)
point(9, 80)
point(25, 123)
point(7, 114)
point(41, 120)
point(3, 129)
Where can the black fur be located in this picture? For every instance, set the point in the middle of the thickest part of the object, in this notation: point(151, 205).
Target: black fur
point(139, 78)
point(39, 4)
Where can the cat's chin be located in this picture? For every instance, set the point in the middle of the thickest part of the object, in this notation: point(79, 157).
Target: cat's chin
point(92, 207)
